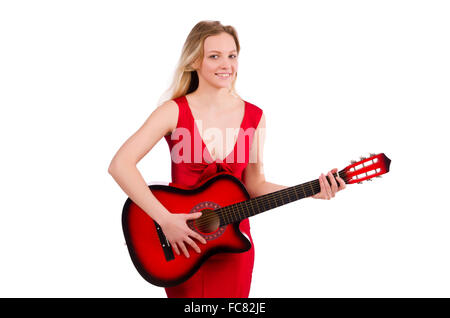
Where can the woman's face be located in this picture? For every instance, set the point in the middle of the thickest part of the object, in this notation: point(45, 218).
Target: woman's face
point(220, 64)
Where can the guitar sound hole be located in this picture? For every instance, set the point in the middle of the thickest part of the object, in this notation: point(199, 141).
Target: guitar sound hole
point(209, 221)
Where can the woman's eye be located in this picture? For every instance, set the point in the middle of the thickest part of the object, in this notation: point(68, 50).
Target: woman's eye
point(234, 56)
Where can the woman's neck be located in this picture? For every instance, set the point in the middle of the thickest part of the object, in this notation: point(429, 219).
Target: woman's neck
point(212, 98)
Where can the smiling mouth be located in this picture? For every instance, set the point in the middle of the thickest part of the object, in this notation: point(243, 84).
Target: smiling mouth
point(223, 75)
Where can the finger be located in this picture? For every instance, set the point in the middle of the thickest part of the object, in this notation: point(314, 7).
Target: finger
point(192, 216)
point(341, 183)
point(327, 187)
point(338, 179)
point(335, 170)
point(334, 186)
point(322, 186)
point(194, 246)
point(197, 236)
point(184, 249)
point(175, 247)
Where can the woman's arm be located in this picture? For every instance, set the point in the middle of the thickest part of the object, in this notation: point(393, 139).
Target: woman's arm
point(254, 179)
point(123, 165)
point(123, 169)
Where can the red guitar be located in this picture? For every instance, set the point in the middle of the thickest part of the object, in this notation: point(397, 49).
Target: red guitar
point(224, 202)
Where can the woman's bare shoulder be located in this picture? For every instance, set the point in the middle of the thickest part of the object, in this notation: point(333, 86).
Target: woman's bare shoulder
point(167, 113)
point(169, 107)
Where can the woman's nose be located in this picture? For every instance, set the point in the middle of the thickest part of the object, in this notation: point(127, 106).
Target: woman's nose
point(225, 64)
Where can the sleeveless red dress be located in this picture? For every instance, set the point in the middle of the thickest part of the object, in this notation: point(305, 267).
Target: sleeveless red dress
point(227, 274)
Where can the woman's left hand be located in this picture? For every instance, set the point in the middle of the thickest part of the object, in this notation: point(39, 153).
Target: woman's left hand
point(326, 191)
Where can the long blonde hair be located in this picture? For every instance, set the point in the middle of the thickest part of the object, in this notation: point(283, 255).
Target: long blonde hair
point(185, 79)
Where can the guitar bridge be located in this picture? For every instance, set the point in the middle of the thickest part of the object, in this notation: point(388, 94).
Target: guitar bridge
point(167, 248)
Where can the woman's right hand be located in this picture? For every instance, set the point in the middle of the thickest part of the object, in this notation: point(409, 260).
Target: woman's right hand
point(178, 232)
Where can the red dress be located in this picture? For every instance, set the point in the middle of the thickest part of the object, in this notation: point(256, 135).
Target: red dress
point(226, 274)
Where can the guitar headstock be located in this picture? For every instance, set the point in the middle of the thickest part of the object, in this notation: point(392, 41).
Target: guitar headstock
point(366, 169)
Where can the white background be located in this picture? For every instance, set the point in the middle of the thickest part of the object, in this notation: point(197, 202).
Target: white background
point(336, 80)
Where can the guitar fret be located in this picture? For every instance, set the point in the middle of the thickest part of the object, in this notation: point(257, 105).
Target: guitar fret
point(237, 214)
point(295, 190)
point(250, 206)
point(254, 206)
point(232, 213)
point(238, 211)
point(312, 189)
point(229, 211)
point(275, 200)
point(260, 207)
point(303, 191)
point(246, 207)
point(224, 214)
point(272, 204)
point(289, 195)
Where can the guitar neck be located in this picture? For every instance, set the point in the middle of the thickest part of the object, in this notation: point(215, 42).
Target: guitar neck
point(245, 209)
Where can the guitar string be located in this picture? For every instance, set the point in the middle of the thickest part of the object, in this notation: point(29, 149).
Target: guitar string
point(229, 213)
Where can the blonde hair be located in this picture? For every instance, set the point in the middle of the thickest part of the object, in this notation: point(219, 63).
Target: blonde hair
point(185, 79)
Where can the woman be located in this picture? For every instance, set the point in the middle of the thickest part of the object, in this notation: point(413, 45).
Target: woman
point(204, 96)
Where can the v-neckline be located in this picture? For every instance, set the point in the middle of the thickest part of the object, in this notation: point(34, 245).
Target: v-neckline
point(201, 138)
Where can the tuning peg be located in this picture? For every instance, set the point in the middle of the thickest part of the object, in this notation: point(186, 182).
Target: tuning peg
point(353, 161)
point(378, 177)
point(362, 158)
point(359, 182)
point(372, 154)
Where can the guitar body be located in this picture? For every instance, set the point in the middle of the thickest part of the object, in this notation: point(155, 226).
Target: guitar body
point(150, 252)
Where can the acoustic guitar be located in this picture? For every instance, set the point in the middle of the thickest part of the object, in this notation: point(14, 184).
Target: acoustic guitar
point(224, 203)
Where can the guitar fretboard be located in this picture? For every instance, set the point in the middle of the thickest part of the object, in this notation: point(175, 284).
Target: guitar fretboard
point(245, 209)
